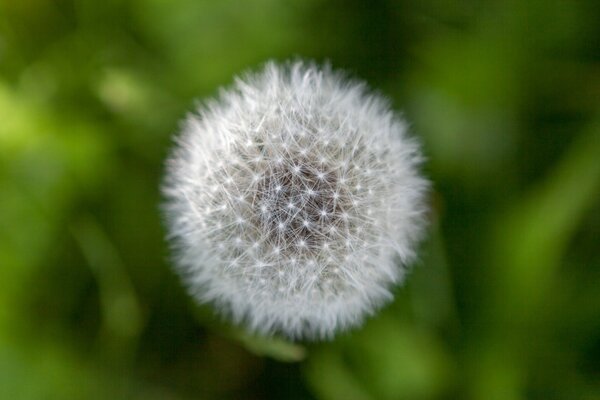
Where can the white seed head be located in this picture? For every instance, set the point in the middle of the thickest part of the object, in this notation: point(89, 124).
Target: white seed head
point(294, 201)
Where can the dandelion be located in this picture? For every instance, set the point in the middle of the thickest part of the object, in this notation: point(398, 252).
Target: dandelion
point(294, 201)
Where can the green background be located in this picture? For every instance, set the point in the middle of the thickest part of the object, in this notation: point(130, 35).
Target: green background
point(504, 302)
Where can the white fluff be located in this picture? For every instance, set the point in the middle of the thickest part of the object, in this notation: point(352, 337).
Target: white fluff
point(294, 201)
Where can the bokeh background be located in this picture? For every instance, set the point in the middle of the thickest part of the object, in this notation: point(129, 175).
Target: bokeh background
point(504, 302)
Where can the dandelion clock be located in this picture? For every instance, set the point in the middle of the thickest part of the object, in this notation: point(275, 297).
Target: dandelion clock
point(294, 201)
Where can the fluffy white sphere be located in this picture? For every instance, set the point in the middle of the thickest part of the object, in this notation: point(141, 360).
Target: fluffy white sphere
point(294, 201)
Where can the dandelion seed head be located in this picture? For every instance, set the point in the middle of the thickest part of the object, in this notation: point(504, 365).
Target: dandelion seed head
point(294, 201)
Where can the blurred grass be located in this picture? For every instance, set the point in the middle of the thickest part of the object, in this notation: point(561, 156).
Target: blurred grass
point(504, 302)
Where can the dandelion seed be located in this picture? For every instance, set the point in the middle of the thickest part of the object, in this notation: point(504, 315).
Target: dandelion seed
point(285, 155)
